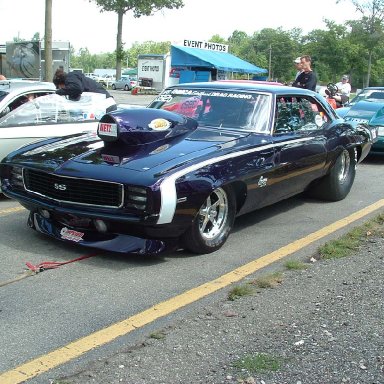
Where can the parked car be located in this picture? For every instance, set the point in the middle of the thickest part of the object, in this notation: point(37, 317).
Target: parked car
point(50, 116)
point(14, 93)
point(133, 80)
point(123, 83)
point(177, 174)
point(378, 122)
point(91, 75)
point(106, 80)
point(368, 107)
point(371, 94)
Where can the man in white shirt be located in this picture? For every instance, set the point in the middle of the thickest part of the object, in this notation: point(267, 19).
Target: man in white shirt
point(344, 90)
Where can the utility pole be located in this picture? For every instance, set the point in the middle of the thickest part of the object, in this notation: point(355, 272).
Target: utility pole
point(48, 41)
point(270, 62)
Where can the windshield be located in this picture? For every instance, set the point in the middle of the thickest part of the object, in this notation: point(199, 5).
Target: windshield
point(369, 94)
point(55, 109)
point(222, 109)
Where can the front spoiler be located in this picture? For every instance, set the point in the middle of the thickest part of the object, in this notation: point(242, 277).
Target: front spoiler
point(114, 242)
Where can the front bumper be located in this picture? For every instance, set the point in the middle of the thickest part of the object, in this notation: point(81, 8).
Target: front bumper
point(378, 146)
point(114, 242)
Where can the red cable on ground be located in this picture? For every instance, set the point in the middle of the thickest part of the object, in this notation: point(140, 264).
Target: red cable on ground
point(55, 264)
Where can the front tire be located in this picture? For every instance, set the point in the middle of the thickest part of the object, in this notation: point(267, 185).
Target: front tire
point(213, 223)
point(337, 184)
point(113, 86)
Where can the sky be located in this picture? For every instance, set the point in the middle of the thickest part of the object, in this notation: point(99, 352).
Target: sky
point(82, 24)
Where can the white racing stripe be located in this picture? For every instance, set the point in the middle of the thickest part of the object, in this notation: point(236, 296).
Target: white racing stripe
point(168, 185)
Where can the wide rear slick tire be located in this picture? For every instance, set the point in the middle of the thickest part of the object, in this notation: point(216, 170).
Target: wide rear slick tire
point(337, 184)
point(213, 223)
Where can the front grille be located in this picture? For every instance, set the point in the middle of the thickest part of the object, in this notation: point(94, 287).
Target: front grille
point(74, 190)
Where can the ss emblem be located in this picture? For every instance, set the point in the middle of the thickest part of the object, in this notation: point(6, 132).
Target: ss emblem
point(61, 187)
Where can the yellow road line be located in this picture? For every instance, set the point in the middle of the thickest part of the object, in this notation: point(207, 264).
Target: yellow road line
point(75, 349)
point(7, 211)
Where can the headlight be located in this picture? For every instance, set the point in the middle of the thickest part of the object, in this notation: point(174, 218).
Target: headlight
point(136, 198)
point(16, 177)
point(380, 131)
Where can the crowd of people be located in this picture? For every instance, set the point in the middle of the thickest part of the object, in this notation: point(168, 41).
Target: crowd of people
point(305, 78)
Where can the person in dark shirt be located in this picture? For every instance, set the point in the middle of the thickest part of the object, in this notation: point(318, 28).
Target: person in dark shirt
point(307, 78)
point(73, 84)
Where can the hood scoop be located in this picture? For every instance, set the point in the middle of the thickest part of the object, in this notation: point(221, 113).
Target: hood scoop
point(142, 126)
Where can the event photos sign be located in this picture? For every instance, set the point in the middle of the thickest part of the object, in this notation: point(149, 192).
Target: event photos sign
point(201, 44)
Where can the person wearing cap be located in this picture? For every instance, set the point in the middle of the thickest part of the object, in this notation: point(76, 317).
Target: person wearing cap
point(307, 78)
point(344, 90)
point(299, 67)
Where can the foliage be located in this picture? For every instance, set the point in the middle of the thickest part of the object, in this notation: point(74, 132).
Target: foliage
point(355, 48)
point(258, 363)
point(282, 48)
point(139, 8)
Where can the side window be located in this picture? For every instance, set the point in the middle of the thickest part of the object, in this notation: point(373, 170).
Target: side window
point(298, 114)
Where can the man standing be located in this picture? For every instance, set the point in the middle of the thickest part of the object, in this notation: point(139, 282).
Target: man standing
point(299, 68)
point(307, 78)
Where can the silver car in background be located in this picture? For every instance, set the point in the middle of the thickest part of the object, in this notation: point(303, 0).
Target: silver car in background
point(124, 83)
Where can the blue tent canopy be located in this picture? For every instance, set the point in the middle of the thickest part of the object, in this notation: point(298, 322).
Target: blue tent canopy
point(194, 57)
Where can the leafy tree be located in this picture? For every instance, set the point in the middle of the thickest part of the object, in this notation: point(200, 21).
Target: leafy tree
point(328, 50)
point(157, 48)
point(370, 28)
point(278, 49)
point(139, 8)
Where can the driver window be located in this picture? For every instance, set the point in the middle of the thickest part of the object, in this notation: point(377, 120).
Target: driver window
point(298, 114)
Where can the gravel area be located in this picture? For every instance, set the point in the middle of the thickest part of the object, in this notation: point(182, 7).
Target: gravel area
point(324, 324)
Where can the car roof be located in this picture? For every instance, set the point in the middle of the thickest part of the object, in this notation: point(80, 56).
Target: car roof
point(373, 88)
point(17, 85)
point(246, 85)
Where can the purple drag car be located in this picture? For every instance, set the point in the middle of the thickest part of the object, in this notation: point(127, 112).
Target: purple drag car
point(177, 173)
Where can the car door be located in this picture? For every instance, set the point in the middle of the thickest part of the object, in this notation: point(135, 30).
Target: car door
point(300, 143)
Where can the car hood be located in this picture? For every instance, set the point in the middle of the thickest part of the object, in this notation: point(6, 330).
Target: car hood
point(363, 111)
point(81, 153)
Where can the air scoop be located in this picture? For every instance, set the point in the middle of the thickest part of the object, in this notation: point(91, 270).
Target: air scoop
point(143, 125)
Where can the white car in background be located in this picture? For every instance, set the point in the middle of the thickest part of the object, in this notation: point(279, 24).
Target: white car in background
point(14, 93)
point(50, 116)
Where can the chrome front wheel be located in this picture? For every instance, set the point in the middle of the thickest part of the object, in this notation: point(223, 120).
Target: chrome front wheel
point(213, 222)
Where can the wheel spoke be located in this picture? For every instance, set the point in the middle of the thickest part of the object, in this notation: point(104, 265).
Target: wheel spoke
point(213, 214)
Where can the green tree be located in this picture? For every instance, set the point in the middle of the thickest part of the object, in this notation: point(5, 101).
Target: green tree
point(241, 45)
point(279, 48)
point(328, 49)
point(157, 48)
point(139, 8)
point(370, 28)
